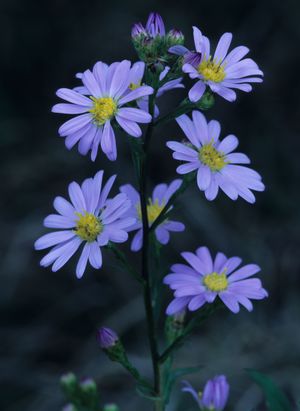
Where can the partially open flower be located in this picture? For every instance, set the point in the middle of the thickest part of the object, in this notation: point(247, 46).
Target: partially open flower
point(214, 396)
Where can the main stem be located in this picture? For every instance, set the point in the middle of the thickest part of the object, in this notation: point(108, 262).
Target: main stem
point(152, 329)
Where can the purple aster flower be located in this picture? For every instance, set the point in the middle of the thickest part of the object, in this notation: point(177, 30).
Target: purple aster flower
point(221, 72)
point(203, 279)
point(160, 197)
point(214, 396)
point(90, 219)
point(136, 78)
point(216, 164)
point(107, 89)
point(107, 337)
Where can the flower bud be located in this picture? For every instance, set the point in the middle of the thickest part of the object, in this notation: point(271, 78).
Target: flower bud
point(107, 338)
point(175, 36)
point(175, 325)
point(206, 101)
point(69, 382)
point(138, 30)
point(155, 25)
point(88, 385)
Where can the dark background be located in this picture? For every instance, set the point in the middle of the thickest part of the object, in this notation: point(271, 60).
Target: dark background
point(49, 320)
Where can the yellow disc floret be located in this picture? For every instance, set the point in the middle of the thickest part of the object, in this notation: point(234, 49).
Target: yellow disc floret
point(153, 210)
point(104, 109)
point(216, 282)
point(88, 226)
point(211, 157)
point(211, 70)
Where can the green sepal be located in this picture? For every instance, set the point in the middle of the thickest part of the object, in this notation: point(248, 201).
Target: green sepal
point(70, 386)
point(206, 102)
point(154, 51)
point(82, 396)
point(276, 400)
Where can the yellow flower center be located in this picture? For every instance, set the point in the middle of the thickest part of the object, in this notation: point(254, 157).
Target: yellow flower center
point(88, 226)
point(211, 157)
point(216, 282)
point(104, 109)
point(211, 70)
point(134, 86)
point(153, 210)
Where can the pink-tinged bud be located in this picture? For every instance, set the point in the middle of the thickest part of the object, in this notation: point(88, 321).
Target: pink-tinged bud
point(155, 25)
point(176, 35)
point(138, 30)
point(107, 338)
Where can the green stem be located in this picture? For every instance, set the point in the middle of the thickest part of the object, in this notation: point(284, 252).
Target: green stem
point(206, 102)
point(152, 329)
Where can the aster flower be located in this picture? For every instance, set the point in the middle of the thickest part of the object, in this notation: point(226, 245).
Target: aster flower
point(214, 396)
point(203, 279)
point(107, 87)
point(221, 72)
point(90, 219)
point(136, 78)
point(160, 197)
point(216, 164)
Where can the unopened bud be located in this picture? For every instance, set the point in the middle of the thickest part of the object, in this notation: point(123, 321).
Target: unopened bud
point(138, 30)
point(176, 36)
point(107, 338)
point(206, 101)
point(155, 25)
point(88, 385)
point(69, 383)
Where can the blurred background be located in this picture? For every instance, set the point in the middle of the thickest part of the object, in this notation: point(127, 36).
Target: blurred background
point(49, 320)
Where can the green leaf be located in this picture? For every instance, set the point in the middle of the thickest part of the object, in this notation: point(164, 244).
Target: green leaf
point(275, 398)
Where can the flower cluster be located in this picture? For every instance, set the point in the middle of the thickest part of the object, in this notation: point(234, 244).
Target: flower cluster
point(120, 97)
point(152, 42)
